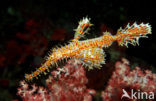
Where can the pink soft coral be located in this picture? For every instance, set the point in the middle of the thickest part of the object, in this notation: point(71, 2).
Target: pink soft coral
point(123, 78)
point(65, 84)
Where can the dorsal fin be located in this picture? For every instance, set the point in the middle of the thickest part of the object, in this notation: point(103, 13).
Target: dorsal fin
point(83, 27)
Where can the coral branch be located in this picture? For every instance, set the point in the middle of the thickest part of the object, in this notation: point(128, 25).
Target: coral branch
point(123, 78)
point(65, 84)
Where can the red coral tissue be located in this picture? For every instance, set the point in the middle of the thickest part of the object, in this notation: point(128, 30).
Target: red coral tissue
point(124, 78)
point(65, 84)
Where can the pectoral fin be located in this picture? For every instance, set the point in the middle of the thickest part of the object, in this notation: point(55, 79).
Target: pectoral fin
point(92, 57)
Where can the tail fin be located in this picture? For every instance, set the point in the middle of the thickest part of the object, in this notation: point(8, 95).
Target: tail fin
point(131, 34)
point(82, 28)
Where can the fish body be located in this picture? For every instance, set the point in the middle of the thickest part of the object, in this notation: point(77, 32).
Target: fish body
point(90, 52)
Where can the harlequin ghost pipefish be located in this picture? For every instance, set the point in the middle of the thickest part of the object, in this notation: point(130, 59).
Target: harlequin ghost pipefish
point(90, 52)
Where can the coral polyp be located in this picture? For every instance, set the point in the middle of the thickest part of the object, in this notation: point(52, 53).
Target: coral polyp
point(90, 51)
